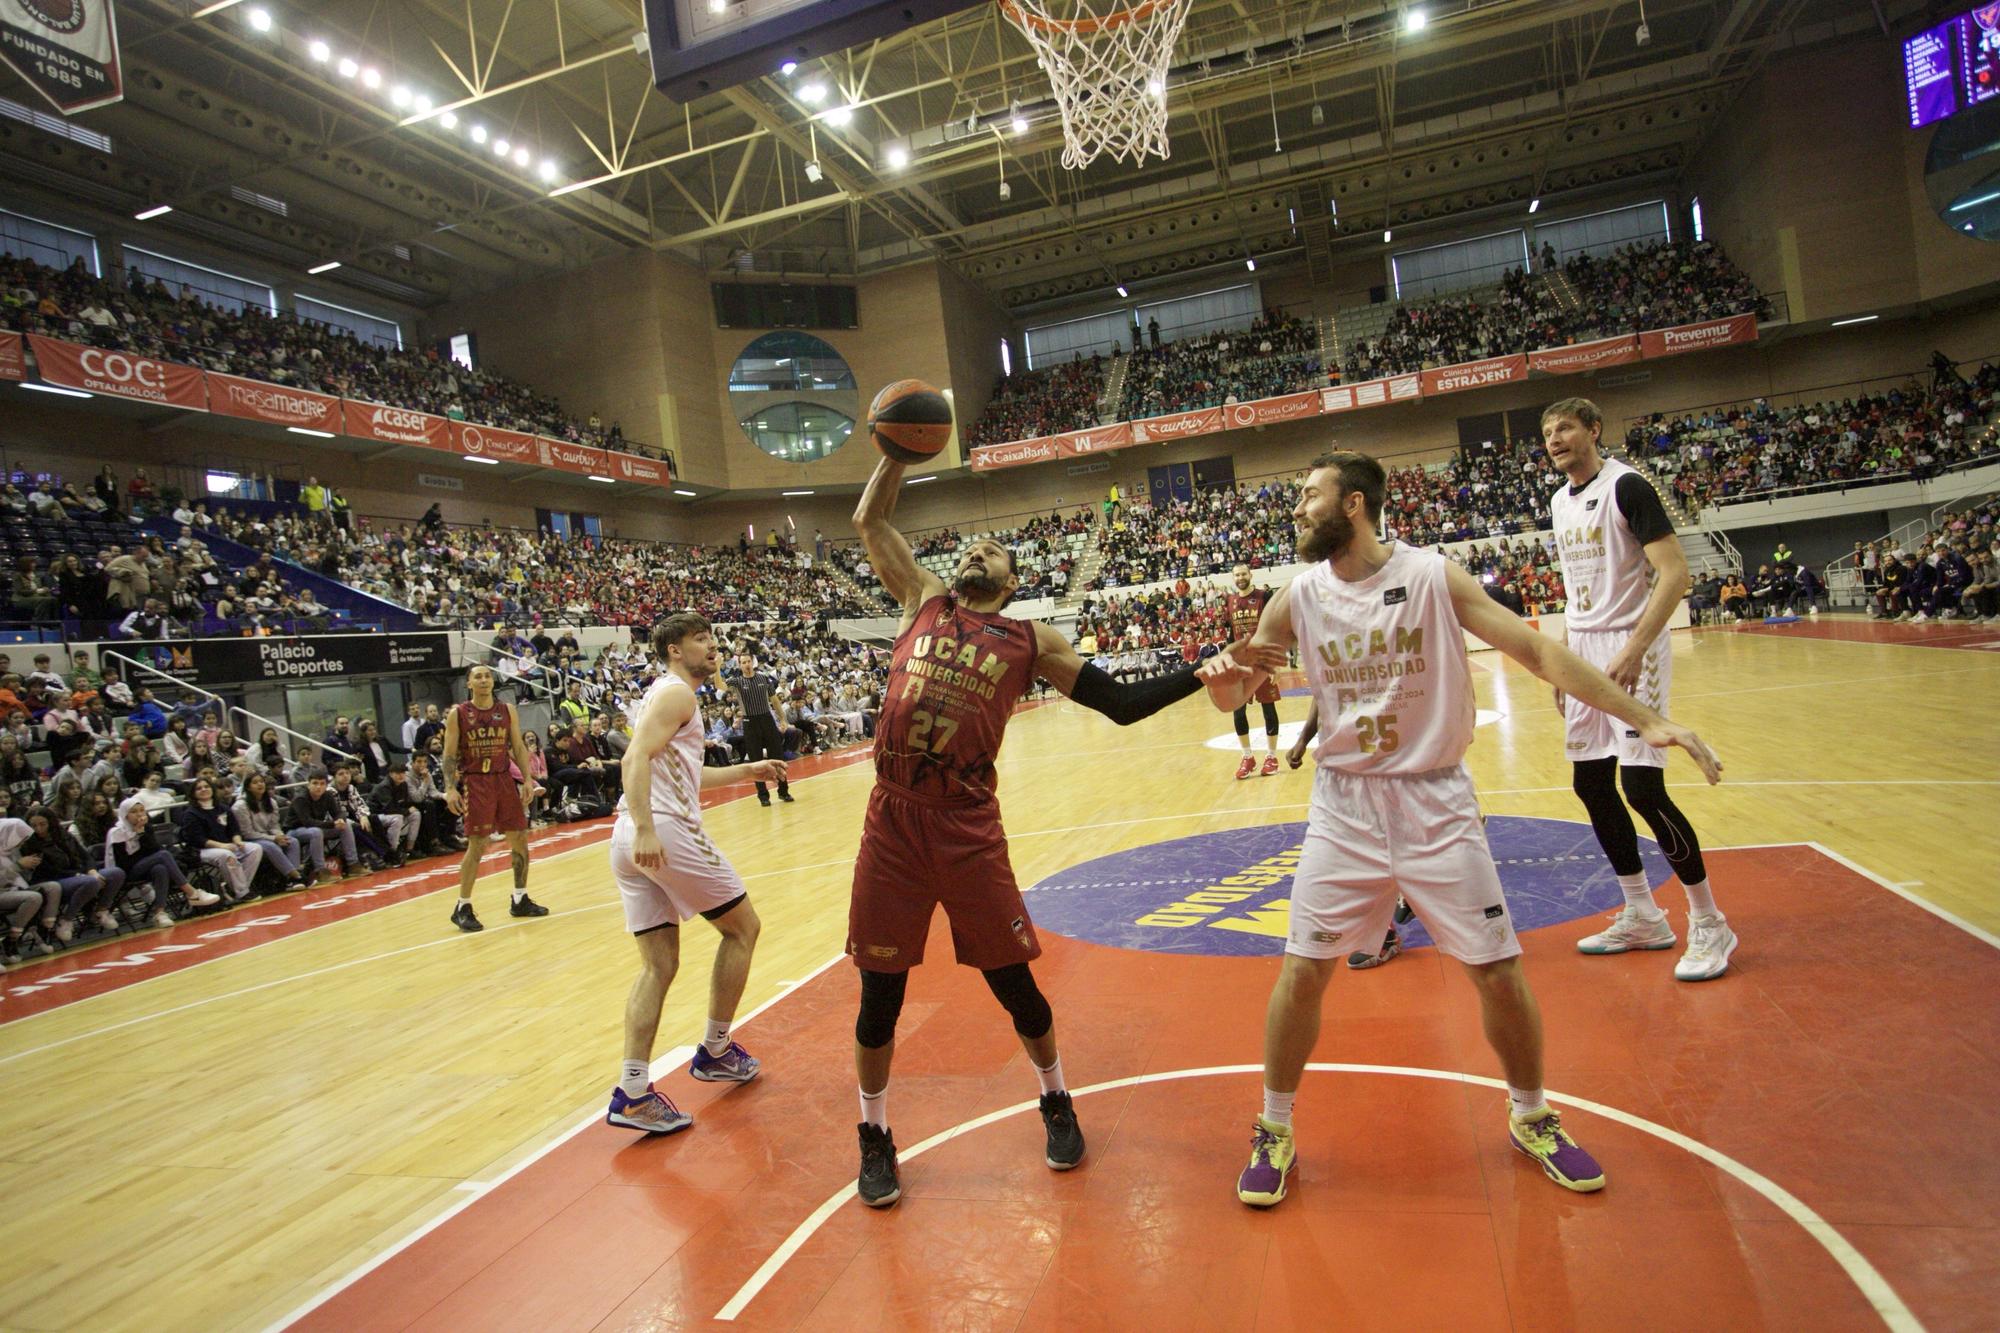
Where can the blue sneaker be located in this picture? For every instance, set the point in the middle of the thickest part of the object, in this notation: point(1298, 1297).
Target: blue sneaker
point(734, 1065)
point(650, 1114)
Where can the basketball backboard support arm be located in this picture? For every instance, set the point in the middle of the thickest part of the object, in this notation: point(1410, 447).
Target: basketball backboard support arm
point(697, 51)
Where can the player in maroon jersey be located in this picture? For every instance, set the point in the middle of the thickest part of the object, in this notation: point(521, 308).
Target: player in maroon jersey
point(1243, 607)
point(932, 835)
point(483, 750)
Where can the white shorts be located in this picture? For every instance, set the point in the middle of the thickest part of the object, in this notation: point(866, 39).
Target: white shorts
point(694, 878)
point(1368, 836)
point(1591, 734)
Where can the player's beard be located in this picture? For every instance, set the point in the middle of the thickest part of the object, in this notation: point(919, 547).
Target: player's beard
point(977, 585)
point(1325, 539)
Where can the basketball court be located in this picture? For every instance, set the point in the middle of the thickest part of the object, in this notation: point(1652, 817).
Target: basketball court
point(345, 1115)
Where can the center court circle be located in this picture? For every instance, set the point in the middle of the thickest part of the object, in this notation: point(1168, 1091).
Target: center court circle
point(1227, 893)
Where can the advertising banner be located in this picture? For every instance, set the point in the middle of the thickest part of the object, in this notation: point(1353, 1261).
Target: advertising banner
point(119, 374)
point(1176, 426)
point(66, 49)
point(646, 471)
point(396, 425)
point(234, 396)
point(1015, 453)
point(1370, 393)
point(1475, 374)
point(502, 446)
point(1699, 337)
point(13, 357)
point(213, 662)
point(1265, 411)
point(581, 459)
point(1096, 440)
point(1578, 358)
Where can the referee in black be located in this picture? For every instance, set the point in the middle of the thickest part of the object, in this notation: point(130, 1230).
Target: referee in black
point(761, 736)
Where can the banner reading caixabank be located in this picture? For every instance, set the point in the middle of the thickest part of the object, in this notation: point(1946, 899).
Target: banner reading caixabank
point(296, 659)
point(66, 49)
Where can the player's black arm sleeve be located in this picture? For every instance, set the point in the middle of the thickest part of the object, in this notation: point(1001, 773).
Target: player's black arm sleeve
point(1640, 504)
point(1127, 703)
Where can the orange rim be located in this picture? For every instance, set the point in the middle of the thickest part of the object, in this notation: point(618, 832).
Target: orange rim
point(1082, 27)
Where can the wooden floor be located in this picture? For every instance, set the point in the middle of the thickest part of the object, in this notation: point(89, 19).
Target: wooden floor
point(217, 1147)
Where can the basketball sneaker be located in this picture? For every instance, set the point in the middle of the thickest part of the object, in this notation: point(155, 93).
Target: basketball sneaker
point(1065, 1135)
point(1542, 1137)
point(465, 918)
point(1630, 929)
point(1404, 912)
point(1247, 768)
point(1270, 765)
point(649, 1114)
point(734, 1065)
point(1361, 960)
point(1710, 942)
point(526, 906)
point(878, 1185)
point(1272, 1158)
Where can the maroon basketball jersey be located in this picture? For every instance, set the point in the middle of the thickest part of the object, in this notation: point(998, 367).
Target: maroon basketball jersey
point(1244, 609)
point(953, 682)
point(482, 739)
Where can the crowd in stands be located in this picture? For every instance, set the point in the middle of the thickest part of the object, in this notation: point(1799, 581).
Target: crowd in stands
point(1041, 550)
point(1275, 355)
point(1951, 573)
point(1654, 285)
point(147, 317)
point(1525, 569)
point(1751, 450)
point(1033, 403)
point(1491, 488)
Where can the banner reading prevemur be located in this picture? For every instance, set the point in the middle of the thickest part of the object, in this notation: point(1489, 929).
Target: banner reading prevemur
point(68, 49)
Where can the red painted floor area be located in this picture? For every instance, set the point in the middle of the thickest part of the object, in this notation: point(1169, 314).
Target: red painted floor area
point(37, 986)
point(1908, 634)
point(1852, 1056)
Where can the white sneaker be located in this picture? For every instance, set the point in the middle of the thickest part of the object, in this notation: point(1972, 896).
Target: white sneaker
point(1710, 942)
point(1630, 930)
point(1920, 617)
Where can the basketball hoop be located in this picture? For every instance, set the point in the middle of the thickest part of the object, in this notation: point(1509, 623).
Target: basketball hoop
point(1107, 62)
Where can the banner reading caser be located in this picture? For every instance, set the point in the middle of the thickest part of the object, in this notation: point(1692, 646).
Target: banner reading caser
point(213, 662)
point(67, 49)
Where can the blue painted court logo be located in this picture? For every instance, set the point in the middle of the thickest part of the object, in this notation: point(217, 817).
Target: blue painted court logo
point(1229, 893)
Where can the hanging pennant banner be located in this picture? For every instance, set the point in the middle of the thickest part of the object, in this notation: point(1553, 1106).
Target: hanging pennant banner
point(119, 374)
point(13, 357)
point(67, 49)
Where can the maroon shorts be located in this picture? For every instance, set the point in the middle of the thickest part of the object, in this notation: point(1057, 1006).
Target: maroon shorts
point(493, 805)
point(1268, 692)
point(918, 854)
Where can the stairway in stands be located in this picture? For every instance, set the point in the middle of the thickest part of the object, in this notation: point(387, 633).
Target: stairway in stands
point(1329, 341)
point(1087, 564)
point(1109, 401)
point(1708, 550)
point(1559, 289)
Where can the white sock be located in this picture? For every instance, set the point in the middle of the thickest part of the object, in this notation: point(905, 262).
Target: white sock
point(634, 1077)
point(1244, 741)
point(717, 1040)
point(1638, 894)
point(1526, 1101)
point(1052, 1079)
point(875, 1108)
point(1278, 1106)
point(1271, 746)
point(1701, 900)
point(520, 894)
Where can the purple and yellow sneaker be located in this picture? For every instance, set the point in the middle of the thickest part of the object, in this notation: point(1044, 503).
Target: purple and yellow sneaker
point(1272, 1157)
point(1542, 1137)
point(650, 1114)
point(734, 1065)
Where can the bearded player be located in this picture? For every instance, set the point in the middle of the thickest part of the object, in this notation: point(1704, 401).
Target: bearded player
point(932, 836)
point(667, 871)
point(1381, 629)
point(1243, 607)
point(482, 736)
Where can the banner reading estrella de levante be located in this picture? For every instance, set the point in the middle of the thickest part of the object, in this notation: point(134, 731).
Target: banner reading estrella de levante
point(66, 49)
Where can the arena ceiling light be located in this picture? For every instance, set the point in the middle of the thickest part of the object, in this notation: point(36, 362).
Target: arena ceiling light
point(319, 51)
point(795, 492)
point(812, 94)
point(148, 214)
point(1121, 290)
point(689, 494)
point(548, 171)
point(489, 462)
point(347, 67)
point(58, 390)
point(918, 481)
point(307, 430)
point(606, 480)
point(841, 115)
point(328, 267)
point(260, 19)
point(1414, 20)
point(1534, 205)
point(1853, 319)
point(1387, 235)
point(897, 157)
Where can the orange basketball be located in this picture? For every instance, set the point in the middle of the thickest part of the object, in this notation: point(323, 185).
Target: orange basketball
point(909, 421)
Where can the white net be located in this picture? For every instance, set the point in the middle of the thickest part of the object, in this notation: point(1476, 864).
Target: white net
point(1107, 61)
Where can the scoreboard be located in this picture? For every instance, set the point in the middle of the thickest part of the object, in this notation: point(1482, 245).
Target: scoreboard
point(1953, 66)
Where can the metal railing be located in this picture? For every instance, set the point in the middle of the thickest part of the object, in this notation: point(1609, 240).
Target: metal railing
point(229, 709)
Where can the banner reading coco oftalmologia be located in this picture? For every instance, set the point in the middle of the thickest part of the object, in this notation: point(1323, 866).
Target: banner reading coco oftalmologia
point(295, 658)
point(67, 49)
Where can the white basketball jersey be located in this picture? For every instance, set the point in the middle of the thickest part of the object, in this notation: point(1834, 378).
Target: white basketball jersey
point(1386, 661)
point(1605, 573)
point(677, 767)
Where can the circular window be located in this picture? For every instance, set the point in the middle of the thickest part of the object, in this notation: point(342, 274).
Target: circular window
point(798, 432)
point(789, 361)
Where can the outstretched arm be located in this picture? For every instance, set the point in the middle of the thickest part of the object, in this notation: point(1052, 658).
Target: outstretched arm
point(1237, 672)
point(1058, 663)
point(1566, 671)
point(907, 581)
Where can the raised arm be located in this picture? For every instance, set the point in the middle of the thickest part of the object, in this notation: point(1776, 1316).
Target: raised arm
point(1570, 674)
point(907, 581)
point(1236, 673)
